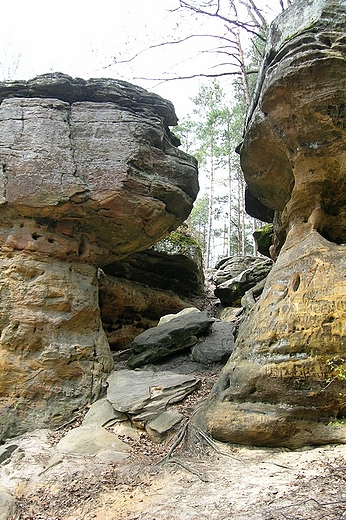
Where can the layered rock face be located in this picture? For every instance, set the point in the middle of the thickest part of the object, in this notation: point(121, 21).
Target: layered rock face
point(136, 291)
point(285, 383)
point(89, 173)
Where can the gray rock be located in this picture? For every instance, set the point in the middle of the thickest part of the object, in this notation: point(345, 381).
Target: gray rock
point(178, 334)
point(102, 412)
point(233, 289)
point(216, 347)
point(183, 312)
point(145, 394)
point(228, 268)
point(8, 505)
point(174, 263)
point(162, 424)
point(92, 440)
point(6, 452)
point(88, 144)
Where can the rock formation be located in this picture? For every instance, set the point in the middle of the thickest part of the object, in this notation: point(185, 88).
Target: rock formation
point(89, 173)
point(285, 383)
point(136, 291)
point(174, 333)
point(237, 275)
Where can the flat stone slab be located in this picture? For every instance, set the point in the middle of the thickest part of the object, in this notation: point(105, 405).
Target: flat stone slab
point(164, 422)
point(139, 391)
point(177, 334)
point(101, 413)
point(92, 440)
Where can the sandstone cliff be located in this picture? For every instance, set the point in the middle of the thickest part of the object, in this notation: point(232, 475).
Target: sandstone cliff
point(285, 383)
point(89, 173)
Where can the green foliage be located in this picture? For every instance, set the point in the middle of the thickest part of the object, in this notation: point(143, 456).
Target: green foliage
point(337, 367)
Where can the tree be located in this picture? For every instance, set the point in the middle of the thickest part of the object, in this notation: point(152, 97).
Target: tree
point(224, 29)
point(211, 133)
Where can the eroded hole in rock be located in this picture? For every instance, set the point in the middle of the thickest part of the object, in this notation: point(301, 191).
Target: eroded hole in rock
point(326, 40)
point(36, 236)
point(337, 238)
point(295, 282)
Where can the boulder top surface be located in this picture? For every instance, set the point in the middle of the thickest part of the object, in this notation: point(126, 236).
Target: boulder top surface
point(101, 90)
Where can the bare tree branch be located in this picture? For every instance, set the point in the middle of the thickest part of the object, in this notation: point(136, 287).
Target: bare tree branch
point(199, 75)
point(162, 44)
point(249, 27)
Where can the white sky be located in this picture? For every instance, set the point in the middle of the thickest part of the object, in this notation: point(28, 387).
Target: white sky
point(81, 38)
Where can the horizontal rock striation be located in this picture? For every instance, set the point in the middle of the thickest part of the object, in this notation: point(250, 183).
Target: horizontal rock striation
point(89, 173)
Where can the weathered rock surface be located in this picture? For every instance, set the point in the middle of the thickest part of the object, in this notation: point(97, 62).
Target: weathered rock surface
point(285, 382)
point(179, 333)
point(89, 173)
point(144, 394)
point(264, 239)
point(174, 263)
point(217, 346)
point(129, 308)
point(93, 441)
point(8, 506)
point(54, 355)
point(136, 291)
point(89, 170)
point(236, 275)
point(101, 413)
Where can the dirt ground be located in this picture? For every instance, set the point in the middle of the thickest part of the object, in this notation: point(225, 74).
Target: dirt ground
point(198, 483)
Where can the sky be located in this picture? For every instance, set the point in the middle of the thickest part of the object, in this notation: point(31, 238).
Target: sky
point(83, 39)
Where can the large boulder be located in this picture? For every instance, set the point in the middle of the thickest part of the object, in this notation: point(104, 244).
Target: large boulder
point(176, 334)
point(237, 275)
point(285, 383)
point(89, 169)
point(89, 173)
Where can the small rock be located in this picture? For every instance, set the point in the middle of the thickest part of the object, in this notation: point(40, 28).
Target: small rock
point(8, 505)
point(91, 440)
point(6, 452)
point(102, 412)
point(163, 423)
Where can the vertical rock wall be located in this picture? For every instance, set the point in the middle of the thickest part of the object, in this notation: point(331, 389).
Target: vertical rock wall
point(285, 383)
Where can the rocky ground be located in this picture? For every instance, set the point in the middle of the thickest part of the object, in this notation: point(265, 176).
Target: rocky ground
point(194, 479)
point(199, 479)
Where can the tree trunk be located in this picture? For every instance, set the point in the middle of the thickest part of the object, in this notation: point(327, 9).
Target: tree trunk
point(210, 208)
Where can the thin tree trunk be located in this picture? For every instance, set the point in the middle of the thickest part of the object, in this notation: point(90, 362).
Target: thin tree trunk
point(210, 207)
point(254, 227)
point(243, 231)
point(239, 239)
point(230, 197)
